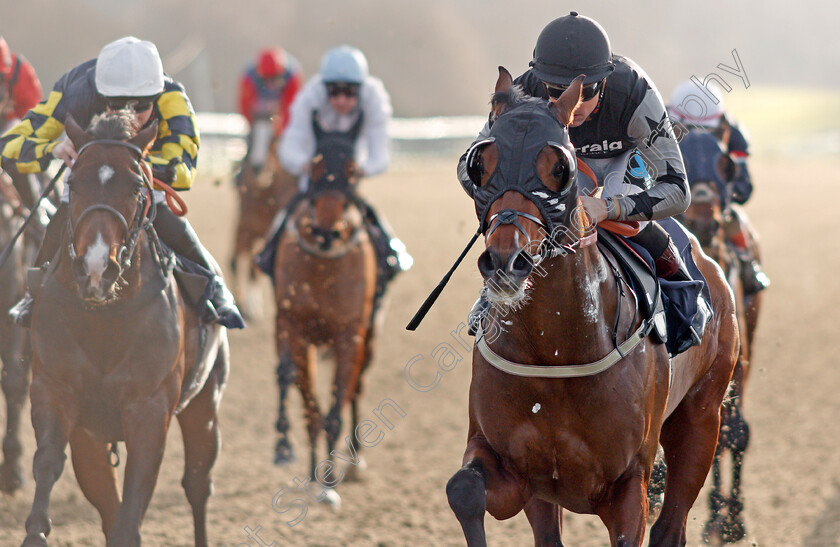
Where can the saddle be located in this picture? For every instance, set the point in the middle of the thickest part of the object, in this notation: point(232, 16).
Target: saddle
point(678, 310)
point(642, 280)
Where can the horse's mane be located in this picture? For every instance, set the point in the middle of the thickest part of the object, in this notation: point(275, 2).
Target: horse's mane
point(513, 97)
point(113, 125)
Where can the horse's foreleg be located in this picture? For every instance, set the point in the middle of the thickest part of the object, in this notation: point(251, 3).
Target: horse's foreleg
point(625, 512)
point(53, 414)
point(15, 382)
point(145, 424)
point(305, 358)
point(739, 435)
point(199, 423)
point(95, 475)
point(689, 439)
point(283, 452)
point(482, 485)
point(349, 355)
point(544, 518)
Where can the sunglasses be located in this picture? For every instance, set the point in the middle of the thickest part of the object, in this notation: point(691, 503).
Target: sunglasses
point(133, 104)
point(348, 90)
point(587, 92)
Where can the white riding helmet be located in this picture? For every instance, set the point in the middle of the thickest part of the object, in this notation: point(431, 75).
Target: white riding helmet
point(344, 64)
point(129, 67)
point(690, 103)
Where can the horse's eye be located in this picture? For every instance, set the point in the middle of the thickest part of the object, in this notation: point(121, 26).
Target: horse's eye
point(564, 171)
point(560, 172)
point(475, 161)
point(475, 169)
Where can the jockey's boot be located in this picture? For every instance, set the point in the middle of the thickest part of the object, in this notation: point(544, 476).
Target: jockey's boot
point(265, 258)
point(392, 257)
point(21, 313)
point(753, 278)
point(667, 261)
point(179, 236)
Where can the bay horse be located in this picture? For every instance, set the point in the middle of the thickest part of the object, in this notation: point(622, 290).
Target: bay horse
point(566, 407)
point(14, 340)
point(116, 350)
point(324, 282)
point(706, 166)
point(264, 188)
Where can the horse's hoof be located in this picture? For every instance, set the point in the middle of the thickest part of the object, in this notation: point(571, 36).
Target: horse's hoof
point(333, 499)
point(713, 531)
point(35, 541)
point(283, 453)
point(356, 472)
point(733, 530)
point(654, 507)
point(11, 478)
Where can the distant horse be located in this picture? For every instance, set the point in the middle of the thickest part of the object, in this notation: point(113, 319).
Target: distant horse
point(569, 397)
point(706, 165)
point(14, 340)
point(117, 352)
point(263, 188)
point(325, 275)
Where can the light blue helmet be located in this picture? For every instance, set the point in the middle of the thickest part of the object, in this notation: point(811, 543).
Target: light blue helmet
point(344, 64)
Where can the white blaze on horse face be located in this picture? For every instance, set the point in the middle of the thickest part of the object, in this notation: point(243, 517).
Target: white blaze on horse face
point(96, 260)
point(105, 174)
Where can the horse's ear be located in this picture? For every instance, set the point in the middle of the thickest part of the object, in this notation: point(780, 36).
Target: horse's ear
point(564, 108)
point(75, 133)
point(145, 138)
point(505, 81)
point(351, 172)
point(319, 168)
point(503, 85)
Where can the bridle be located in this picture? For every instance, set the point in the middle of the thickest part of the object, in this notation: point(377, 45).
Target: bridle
point(144, 213)
point(306, 246)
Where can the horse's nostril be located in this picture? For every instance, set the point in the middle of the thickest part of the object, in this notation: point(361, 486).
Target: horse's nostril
point(488, 263)
point(521, 265)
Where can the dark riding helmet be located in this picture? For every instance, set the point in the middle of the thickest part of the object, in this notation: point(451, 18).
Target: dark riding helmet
point(570, 46)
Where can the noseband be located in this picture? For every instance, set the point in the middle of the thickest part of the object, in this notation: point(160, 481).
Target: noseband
point(309, 197)
point(144, 214)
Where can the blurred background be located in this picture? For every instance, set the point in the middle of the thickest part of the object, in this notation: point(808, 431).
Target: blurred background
point(439, 57)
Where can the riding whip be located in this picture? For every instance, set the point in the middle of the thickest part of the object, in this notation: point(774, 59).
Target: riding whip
point(430, 300)
point(8, 250)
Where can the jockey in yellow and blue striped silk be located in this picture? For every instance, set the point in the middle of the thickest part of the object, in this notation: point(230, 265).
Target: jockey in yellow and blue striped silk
point(126, 76)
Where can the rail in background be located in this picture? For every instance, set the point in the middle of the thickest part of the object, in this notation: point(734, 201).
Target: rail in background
point(223, 138)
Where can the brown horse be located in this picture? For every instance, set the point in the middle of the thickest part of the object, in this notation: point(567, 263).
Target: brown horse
point(14, 340)
point(264, 188)
point(116, 351)
point(706, 165)
point(325, 274)
point(566, 406)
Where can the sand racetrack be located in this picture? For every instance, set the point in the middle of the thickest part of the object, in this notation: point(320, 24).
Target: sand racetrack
point(792, 471)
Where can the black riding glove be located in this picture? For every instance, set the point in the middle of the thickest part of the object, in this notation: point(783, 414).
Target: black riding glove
point(166, 173)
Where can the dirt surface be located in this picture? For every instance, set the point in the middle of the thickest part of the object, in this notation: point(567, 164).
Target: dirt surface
point(792, 473)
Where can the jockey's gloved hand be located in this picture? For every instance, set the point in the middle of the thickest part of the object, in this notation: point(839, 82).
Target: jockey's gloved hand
point(166, 173)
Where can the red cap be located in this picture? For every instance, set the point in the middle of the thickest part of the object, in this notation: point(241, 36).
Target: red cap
point(5, 57)
point(271, 63)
